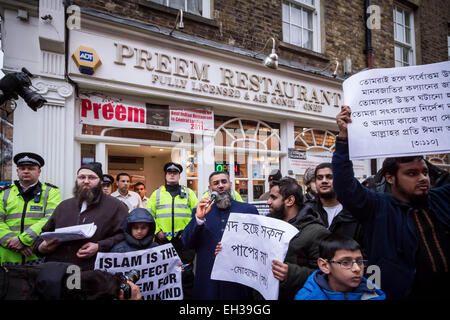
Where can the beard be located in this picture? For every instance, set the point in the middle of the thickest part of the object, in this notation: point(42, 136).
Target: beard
point(416, 201)
point(86, 194)
point(223, 201)
point(278, 213)
point(327, 195)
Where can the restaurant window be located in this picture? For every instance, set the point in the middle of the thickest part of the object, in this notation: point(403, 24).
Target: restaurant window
point(248, 150)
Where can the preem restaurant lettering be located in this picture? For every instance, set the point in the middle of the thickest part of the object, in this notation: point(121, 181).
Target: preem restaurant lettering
point(178, 73)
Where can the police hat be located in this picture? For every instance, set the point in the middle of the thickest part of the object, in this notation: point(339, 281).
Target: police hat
point(172, 166)
point(107, 179)
point(28, 158)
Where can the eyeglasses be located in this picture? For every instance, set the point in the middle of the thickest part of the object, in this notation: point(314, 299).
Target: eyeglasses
point(90, 178)
point(348, 264)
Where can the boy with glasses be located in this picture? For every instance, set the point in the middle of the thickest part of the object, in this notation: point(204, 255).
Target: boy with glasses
point(340, 274)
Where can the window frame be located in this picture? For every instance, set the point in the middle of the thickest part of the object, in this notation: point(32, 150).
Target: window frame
point(402, 44)
point(206, 7)
point(316, 31)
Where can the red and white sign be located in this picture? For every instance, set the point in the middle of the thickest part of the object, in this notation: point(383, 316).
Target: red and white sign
point(102, 110)
point(192, 120)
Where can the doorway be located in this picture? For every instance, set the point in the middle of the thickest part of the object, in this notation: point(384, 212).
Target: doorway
point(143, 164)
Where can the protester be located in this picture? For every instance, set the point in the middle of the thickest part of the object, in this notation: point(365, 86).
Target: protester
point(204, 232)
point(52, 281)
point(25, 208)
point(340, 274)
point(171, 205)
point(286, 203)
point(140, 189)
point(130, 198)
point(89, 205)
point(139, 231)
point(107, 181)
point(406, 233)
point(310, 184)
point(275, 175)
point(333, 215)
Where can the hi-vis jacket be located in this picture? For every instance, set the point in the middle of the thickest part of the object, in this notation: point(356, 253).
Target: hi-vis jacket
point(171, 214)
point(24, 219)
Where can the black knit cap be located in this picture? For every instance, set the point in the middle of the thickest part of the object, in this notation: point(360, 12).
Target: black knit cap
point(96, 167)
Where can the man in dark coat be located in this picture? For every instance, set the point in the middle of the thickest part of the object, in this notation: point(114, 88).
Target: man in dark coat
point(88, 205)
point(406, 233)
point(333, 215)
point(286, 203)
point(203, 233)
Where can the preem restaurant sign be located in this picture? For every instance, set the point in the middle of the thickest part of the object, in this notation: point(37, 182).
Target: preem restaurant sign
point(191, 73)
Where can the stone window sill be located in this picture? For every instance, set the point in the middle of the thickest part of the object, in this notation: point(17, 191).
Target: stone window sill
point(303, 51)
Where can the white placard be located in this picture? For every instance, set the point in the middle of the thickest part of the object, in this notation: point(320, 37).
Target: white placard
point(399, 111)
point(159, 270)
point(249, 244)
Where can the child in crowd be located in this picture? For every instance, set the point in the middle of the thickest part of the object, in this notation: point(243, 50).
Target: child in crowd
point(139, 230)
point(340, 274)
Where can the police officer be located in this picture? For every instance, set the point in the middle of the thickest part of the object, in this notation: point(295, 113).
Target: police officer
point(107, 181)
point(25, 207)
point(171, 205)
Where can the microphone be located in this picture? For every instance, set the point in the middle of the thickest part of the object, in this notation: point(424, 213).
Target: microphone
point(214, 195)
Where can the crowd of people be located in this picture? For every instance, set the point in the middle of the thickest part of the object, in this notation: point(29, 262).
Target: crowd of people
point(396, 222)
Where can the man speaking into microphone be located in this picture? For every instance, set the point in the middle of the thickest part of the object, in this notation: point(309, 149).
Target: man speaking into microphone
point(205, 230)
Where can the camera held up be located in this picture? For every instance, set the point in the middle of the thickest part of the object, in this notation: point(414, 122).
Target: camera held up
point(16, 84)
point(133, 276)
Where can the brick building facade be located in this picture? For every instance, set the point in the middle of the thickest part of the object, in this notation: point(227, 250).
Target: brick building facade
point(213, 64)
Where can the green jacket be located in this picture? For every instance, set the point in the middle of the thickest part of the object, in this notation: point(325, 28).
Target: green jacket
point(171, 214)
point(25, 219)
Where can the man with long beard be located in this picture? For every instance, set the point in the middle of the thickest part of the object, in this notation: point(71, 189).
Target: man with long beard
point(88, 205)
point(406, 233)
point(203, 233)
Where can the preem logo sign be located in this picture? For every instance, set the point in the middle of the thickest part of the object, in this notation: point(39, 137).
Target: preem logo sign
point(86, 59)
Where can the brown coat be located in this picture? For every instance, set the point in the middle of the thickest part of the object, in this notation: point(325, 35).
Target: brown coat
point(108, 215)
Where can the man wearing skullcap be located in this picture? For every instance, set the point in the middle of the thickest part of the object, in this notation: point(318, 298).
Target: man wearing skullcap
point(89, 205)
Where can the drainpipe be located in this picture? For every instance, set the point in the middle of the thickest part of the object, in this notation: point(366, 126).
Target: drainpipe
point(368, 50)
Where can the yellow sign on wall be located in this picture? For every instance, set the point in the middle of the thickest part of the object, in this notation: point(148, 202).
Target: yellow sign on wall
point(86, 59)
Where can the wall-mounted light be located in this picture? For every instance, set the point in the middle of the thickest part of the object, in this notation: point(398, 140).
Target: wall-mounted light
point(336, 68)
point(178, 21)
point(347, 65)
point(271, 61)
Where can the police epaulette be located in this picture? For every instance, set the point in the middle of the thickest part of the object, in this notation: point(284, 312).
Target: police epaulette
point(5, 187)
point(51, 185)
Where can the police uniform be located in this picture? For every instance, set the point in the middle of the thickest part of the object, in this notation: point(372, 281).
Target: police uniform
point(171, 206)
point(24, 213)
point(172, 213)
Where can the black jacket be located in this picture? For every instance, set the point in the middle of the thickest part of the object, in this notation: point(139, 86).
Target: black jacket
point(344, 223)
point(302, 253)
